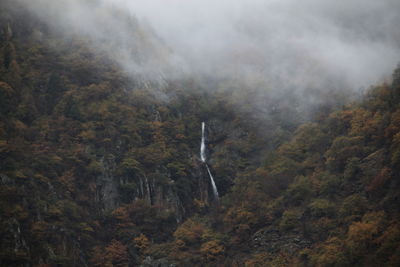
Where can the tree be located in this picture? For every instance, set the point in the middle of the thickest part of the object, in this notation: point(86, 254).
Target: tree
point(211, 250)
point(116, 254)
point(141, 242)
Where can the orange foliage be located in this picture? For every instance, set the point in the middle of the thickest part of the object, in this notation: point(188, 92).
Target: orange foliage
point(121, 213)
point(141, 242)
point(190, 232)
point(211, 250)
point(330, 253)
point(394, 126)
point(117, 254)
point(360, 238)
point(379, 180)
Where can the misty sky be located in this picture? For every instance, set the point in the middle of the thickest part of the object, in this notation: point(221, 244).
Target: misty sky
point(287, 43)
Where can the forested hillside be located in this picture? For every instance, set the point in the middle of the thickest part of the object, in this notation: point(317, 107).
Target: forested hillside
point(102, 168)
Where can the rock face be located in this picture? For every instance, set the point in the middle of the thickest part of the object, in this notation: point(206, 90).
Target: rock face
point(157, 188)
point(4, 179)
point(150, 262)
point(273, 241)
point(16, 240)
point(107, 184)
point(372, 164)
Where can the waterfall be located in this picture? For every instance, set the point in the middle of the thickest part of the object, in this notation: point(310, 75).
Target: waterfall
point(214, 187)
point(203, 159)
point(203, 146)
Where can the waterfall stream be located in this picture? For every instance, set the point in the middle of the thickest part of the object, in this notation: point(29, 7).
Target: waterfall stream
point(203, 159)
point(203, 146)
point(214, 187)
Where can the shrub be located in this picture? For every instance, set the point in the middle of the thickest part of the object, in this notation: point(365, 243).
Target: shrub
point(290, 219)
point(321, 207)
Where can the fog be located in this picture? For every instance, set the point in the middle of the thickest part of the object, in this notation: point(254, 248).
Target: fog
point(273, 44)
point(299, 43)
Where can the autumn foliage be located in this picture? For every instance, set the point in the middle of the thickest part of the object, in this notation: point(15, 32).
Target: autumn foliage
point(100, 169)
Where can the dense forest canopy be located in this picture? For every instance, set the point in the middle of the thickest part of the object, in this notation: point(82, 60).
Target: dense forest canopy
point(101, 120)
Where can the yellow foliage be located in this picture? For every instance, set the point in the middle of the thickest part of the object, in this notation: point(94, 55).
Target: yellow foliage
point(360, 238)
point(68, 180)
point(116, 254)
point(39, 229)
point(212, 249)
point(19, 125)
point(200, 205)
point(6, 89)
point(141, 242)
point(190, 232)
point(20, 212)
point(121, 214)
point(330, 253)
point(55, 211)
point(3, 145)
point(180, 244)
point(239, 215)
point(19, 174)
point(87, 135)
point(361, 232)
point(258, 260)
point(41, 178)
point(84, 227)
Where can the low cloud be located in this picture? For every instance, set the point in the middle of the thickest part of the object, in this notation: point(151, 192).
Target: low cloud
point(273, 44)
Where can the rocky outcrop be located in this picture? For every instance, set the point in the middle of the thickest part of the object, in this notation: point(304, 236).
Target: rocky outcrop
point(13, 241)
point(107, 184)
point(158, 189)
point(150, 262)
point(273, 241)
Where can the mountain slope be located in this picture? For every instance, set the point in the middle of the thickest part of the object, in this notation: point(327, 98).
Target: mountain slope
point(92, 158)
point(101, 168)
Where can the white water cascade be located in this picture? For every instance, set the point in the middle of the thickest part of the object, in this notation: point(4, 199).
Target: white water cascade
point(203, 146)
point(203, 159)
point(214, 186)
